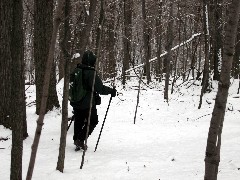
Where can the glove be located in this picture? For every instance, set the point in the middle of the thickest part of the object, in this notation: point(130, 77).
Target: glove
point(113, 92)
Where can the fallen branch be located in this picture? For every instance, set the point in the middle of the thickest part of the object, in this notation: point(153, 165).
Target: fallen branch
point(162, 55)
point(203, 116)
point(3, 139)
point(31, 103)
point(165, 53)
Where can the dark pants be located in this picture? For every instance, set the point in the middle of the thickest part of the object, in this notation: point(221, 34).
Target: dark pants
point(81, 122)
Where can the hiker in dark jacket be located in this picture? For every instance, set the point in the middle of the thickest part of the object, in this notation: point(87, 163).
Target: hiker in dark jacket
point(81, 108)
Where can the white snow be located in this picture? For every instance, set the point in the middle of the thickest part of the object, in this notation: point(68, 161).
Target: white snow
point(167, 142)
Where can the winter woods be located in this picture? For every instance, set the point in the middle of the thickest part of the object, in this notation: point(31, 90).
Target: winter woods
point(134, 32)
point(169, 40)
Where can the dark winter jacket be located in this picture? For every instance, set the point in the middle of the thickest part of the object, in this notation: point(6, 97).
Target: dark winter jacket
point(88, 75)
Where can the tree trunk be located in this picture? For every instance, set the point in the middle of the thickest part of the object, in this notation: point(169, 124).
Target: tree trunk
point(5, 62)
point(168, 49)
point(236, 57)
point(185, 48)
point(43, 15)
point(159, 40)
point(238, 84)
point(196, 42)
point(61, 65)
point(217, 38)
point(177, 53)
point(99, 28)
point(57, 21)
point(28, 41)
point(85, 33)
point(8, 31)
point(199, 59)
point(66, 49)
point(53, 97)
point(18, 92)
point(127, 36)
point(99, 33)
point(212, 157)
point(146, 43)
point(110, 46)
point(205, 80)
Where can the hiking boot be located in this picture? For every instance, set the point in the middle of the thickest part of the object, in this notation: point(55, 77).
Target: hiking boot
point(80, 144)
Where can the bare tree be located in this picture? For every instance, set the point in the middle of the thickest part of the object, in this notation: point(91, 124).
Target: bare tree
point(212, 156)
point(127, 33)
point(110, 61)
point(86, 28)
point(13, 107)
point(66, 49)
point(146, 42)
point(177, 53)
point(28, 41)
point(99, 31)
point(57, 21)
point(18, 92)
point(5, 62)
point(217, 37)
point(168, 48)
point(43, 15)
point(195, 44)
point(236, 58)
point(159, 29)
point(205, 81)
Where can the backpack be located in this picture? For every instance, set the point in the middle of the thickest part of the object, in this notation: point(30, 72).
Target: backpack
point(76, 89)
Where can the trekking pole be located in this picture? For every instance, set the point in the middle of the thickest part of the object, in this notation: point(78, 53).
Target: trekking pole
point(103, 123)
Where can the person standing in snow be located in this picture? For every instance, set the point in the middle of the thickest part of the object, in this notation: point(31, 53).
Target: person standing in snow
point(81, 109)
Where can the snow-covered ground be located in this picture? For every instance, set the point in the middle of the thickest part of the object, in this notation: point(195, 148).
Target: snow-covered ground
point(167, 142)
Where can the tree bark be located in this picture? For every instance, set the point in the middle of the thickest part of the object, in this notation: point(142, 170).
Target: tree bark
point(99, 32)
point(146, 43)
point(205, 80)
point(18, 92)
point(168, 49)
point(85, 33)
point(28, 41)
point(43, 15)
point(195, 43)
point(57, 21)
point(110, 45)
point(212, 157)
point(66, 50)
point(5, 62)
point(61, 65)
point(159, 39)
point(177, 53)
point(126, 37)
point(99, 28)
point(236, 57)
point(217, 38)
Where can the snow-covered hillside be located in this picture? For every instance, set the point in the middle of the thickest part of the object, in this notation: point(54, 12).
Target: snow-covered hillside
point(167, 142)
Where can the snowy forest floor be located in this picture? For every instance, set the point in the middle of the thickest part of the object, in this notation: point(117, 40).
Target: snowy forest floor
point(167, 142)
